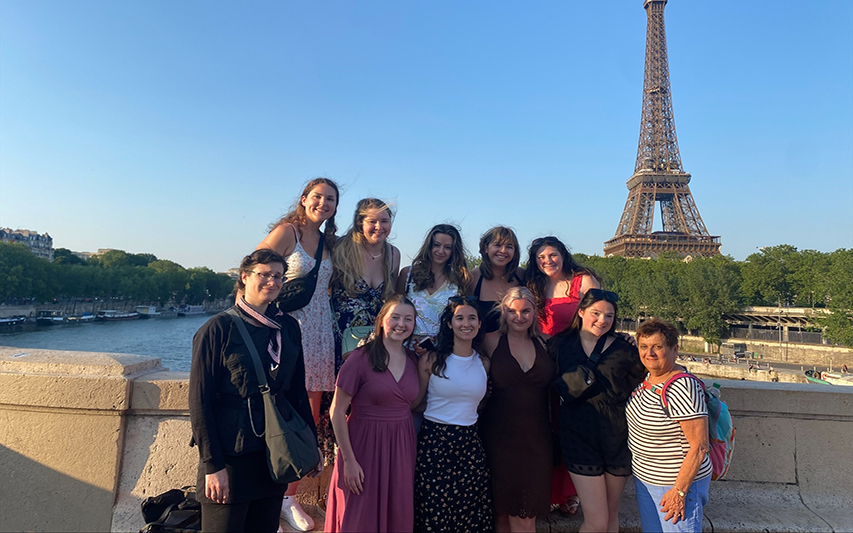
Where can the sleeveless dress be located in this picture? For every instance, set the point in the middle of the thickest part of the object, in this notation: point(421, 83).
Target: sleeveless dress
point(315, 321)
point(352, 311)
point(515, 432)
point(383, 442)
point(490, 311)
point(452, 487)
point(559, 312)
point(429, 306)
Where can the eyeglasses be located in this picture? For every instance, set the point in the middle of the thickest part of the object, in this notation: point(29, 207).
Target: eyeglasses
point(266, 277)
point(469, 300)
point(607, 296)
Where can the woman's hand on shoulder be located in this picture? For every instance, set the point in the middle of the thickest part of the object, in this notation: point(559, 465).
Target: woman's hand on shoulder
point(627, 337)
point(282, 239)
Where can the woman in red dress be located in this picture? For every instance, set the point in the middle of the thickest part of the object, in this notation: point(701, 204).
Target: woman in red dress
point(558, 283)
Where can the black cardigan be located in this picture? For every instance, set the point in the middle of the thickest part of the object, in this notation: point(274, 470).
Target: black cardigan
point(222, 378)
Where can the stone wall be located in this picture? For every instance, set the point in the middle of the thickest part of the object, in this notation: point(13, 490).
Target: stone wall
point(84, 438)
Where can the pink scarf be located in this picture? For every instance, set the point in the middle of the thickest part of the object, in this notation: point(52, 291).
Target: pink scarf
point(274, 347)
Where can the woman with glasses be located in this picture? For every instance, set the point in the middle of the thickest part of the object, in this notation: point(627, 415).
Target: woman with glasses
point(438, 272)
point(515, 419)
point(597, 371)
point(452, 491)
point(296, 236)
point(235, 488)
point(498, 272)
point(558, 283)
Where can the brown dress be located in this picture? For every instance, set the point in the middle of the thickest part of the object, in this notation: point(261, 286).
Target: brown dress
point(516, 433)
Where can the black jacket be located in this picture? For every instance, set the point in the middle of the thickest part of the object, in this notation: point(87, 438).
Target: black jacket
point(223, 382)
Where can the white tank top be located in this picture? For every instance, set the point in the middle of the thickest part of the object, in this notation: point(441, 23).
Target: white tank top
point(454, 399)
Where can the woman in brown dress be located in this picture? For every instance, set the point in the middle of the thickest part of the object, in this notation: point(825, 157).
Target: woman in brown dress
point(514, 422)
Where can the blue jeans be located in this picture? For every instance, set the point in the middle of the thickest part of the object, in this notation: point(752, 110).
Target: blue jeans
point(648, 500)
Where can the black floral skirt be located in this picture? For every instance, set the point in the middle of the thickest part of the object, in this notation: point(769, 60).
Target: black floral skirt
point(452, 486)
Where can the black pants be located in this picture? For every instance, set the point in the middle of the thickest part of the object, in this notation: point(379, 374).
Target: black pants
point(253, 516)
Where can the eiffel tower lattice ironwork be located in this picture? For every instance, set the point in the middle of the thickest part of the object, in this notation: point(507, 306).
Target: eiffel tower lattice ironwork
point(658, 174)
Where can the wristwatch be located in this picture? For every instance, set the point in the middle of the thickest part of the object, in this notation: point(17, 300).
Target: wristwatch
point(681, 493)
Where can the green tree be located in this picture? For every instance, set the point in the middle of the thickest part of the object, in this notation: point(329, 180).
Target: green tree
point(23, 275)
point(112, 259)
point(711, 289)
point(767, 276)
point(64, 256)
point(839, 324)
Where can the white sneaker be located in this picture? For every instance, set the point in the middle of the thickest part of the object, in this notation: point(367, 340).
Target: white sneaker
point(295, 516)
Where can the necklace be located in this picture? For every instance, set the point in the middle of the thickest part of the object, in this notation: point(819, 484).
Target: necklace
point(374, 257)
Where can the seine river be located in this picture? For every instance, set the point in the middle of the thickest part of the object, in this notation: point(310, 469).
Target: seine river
point(170, 339)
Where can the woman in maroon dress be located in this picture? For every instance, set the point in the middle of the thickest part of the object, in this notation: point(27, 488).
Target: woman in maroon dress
point(372, 485)
point(514, 422)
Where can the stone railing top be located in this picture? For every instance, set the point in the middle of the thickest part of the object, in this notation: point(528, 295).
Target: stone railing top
point(39, 361)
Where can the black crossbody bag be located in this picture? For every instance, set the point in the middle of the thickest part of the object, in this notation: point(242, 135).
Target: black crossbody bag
point(291, 444)
point(296, 293)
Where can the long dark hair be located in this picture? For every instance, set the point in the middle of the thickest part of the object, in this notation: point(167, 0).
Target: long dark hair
point(536, 280)
point(444, 339)
point(455, 269)
point(377, 355)
point(499, 235)
point(297, 212)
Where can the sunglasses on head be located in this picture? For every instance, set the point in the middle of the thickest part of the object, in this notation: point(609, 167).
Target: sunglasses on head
point(607, 296)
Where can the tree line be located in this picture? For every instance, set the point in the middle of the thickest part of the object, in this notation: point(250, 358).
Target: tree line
point(695, 293)
point(142, 277)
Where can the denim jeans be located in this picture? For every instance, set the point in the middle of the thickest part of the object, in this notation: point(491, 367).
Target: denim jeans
point(648, 500)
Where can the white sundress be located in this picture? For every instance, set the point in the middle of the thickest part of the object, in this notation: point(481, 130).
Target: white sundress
point(315, 321)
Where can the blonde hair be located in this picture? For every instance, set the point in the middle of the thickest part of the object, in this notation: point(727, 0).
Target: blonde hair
point(519, 293)
point(347, 257)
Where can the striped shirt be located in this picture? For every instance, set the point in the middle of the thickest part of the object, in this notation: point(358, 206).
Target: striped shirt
point(657, 443)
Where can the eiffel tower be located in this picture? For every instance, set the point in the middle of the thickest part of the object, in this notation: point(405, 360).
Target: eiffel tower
point(658, 174)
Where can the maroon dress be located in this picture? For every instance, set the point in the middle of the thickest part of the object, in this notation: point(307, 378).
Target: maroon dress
point(383, 441)
point(516, 433)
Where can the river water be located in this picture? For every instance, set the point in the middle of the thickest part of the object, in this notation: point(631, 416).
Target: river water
point(170, 339)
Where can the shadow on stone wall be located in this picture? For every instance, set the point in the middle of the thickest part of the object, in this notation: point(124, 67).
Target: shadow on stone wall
point(35, 497)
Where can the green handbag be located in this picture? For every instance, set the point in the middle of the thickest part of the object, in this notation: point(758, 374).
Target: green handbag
point(354, 337)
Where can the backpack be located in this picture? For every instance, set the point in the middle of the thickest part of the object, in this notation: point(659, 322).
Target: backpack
point(721, 429)
point(174, 511)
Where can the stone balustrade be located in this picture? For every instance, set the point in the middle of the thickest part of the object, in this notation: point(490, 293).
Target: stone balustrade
point(85, 437)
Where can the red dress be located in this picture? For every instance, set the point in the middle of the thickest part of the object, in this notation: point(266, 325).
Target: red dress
point(559, 313)
point(383, 440)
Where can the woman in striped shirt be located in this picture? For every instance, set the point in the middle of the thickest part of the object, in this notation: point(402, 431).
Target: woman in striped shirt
point(668, 439)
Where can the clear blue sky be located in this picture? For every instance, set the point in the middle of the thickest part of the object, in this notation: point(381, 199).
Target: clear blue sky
point(184, 128)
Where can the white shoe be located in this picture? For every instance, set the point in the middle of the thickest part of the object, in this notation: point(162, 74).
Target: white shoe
point(295, 516)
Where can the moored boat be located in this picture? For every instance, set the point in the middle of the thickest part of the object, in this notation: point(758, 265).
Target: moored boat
point(81, 319)
point(50, 318)
point(837, 378)
point(147, 311)
point(111, 315)
point(191, 310)
point(12, 321)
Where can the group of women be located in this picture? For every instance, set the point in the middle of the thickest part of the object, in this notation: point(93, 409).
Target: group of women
point(445, 416)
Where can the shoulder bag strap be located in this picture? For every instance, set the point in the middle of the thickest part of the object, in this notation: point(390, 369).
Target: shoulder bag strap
point(596, 352)
point(673, 378)
point(256, 359)
point(479, 286)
